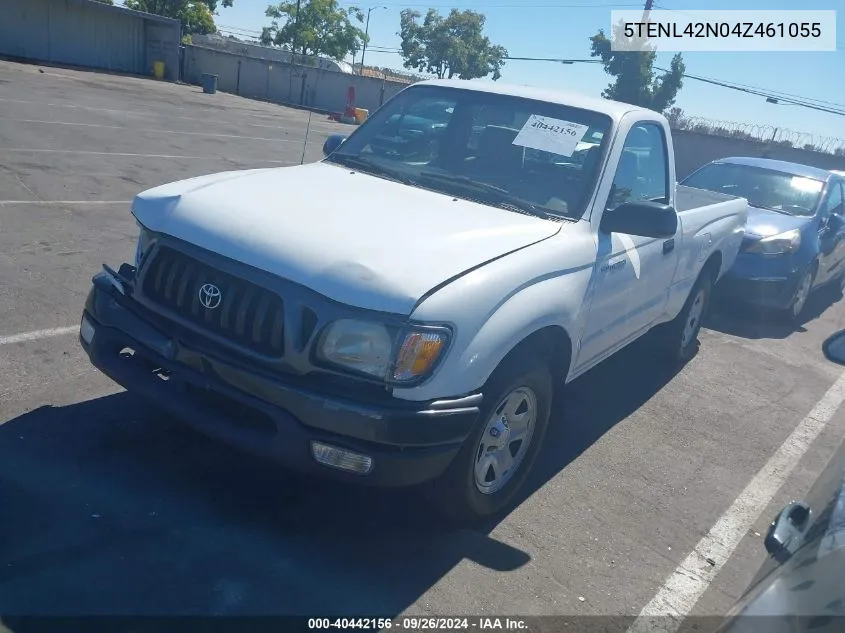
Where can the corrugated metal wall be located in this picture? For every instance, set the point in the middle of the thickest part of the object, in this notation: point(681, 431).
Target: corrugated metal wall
point(102, 39)
point(82, 34)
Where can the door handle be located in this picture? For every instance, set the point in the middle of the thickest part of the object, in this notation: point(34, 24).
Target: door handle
point(668, 246)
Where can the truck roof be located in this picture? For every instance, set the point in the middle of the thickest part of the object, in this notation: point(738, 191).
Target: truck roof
point(614, 109)
point(796, 169)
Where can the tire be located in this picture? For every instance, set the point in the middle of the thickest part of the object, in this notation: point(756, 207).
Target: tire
point(463, 494)
point(680, 336)
point(802, 293)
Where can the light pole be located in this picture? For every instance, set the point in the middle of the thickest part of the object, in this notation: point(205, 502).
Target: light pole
point(366, 34)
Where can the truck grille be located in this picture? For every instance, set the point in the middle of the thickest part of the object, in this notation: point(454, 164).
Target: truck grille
point(247, 314)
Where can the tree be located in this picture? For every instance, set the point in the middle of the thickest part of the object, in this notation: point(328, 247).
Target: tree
point(321, 28)
point(197, 16)
point(636, 82)
point(676, 117)
point(454, 46)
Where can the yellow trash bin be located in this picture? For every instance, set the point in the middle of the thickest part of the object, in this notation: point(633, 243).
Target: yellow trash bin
point(158, 70)
point(361, 115)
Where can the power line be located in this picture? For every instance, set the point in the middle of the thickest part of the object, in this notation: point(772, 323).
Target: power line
point(775, 93)
point(760, 93)
point(236, 28)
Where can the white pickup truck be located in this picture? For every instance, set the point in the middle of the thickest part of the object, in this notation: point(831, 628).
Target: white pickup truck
point(402, 312)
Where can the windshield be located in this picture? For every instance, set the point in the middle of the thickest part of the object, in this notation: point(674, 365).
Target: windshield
point(763, 188)
point(507, 151)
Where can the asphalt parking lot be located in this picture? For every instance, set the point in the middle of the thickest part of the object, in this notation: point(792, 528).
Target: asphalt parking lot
point(109, 508)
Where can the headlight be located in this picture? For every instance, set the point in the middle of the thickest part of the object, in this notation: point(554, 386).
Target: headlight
point(373, 349)
point(357, 345)
point(777, 244)
point(145, 238)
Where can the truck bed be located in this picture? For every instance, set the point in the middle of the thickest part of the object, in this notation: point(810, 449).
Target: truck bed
point(688, 198)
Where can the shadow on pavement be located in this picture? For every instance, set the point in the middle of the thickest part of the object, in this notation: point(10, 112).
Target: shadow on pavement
point(746, 321)
point(110, 509)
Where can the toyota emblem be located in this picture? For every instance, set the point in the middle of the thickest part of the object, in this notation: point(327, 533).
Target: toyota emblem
point(210, 296)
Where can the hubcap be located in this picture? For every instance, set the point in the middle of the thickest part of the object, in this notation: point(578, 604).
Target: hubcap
point(802, 294)
point(505, 441)
point(694, 318)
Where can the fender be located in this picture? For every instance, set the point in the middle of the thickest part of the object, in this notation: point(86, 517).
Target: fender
point(497, 309)
point(716, 237)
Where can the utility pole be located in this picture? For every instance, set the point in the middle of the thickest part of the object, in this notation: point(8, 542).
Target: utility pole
point(366, 34)
point(647, 9)
point(295, 31)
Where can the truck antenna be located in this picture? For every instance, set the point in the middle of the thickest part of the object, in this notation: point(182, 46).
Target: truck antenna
point(305, 144)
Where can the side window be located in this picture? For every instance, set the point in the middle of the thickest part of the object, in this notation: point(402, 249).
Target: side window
point(642, 173)
point(835, 200)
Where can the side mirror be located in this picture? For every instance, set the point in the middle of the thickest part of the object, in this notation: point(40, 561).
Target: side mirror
point(834, 348)
point(786, 533)
point(332, 143)
point(641, 217)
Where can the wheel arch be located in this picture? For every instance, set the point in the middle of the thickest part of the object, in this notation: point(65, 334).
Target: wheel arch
point(551, 342)
point(713, 266)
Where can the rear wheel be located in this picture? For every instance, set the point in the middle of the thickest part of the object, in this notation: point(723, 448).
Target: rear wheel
point(680, 336)
point(495, 460)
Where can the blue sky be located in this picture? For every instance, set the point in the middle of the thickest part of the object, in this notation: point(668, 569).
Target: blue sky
point(561, 28)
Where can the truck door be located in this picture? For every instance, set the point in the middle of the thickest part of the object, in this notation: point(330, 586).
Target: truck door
point(632, 274)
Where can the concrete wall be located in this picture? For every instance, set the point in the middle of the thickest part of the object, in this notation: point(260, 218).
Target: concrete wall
point(89, 34)
point(271, 80)
point(693, 149)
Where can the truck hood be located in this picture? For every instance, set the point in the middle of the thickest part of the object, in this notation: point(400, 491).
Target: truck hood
point(358, 239)
point(765, 223)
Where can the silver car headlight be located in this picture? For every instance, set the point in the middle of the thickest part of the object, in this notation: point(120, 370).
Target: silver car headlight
point(145, 238)
point(779, 244)
point(398, 357)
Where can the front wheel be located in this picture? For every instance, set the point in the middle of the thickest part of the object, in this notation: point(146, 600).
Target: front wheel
point(495, 460)
point(802, 293)
point(680, 336)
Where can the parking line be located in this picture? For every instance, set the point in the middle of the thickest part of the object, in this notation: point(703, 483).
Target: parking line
point(251, 113)
point(90, 153)
point(154, 131)
point(37, 334)
point(683, 588)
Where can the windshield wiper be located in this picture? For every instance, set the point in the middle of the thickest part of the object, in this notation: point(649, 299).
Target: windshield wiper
point(364, 164)
point(503, 198)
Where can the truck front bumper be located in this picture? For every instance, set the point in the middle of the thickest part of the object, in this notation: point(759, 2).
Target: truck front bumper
point(395, 444)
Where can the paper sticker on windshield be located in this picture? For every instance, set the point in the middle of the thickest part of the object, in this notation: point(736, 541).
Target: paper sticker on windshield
point(550, 135)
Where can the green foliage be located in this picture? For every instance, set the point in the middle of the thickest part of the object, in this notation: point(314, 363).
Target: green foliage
point(454, 46)
point(322, 27)
point(636, 81)
point(197, 16)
